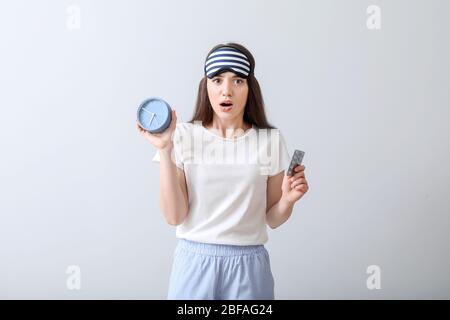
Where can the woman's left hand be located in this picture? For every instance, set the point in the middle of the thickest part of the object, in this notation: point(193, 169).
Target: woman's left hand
point(295, 186)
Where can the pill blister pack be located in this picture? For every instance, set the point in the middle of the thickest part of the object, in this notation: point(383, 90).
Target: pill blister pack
point(296, 160)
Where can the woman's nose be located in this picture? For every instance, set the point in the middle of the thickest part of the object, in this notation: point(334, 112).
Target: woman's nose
point(227, 88)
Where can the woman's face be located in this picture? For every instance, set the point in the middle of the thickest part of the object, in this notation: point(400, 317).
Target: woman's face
point(228, 87)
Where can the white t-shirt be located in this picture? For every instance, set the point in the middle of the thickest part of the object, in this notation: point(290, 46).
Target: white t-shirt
point(226, 182)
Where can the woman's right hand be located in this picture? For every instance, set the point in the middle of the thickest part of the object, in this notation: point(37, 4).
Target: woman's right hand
point(161, 140)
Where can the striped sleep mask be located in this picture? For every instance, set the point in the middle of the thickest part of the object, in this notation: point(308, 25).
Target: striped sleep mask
point(227, 59)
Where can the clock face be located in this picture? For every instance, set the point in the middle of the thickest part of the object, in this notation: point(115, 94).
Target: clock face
point(154, 115)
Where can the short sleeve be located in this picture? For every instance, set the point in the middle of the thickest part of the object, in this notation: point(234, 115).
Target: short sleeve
point(156, 156)
point(176, 151)
point(280, 157)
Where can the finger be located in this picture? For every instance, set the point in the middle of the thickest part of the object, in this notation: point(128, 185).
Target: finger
point(298, 182)
point(174, 114)
point(302, 187)
point(138, 125)
point(304, 184)
point(151, 137)
point(140, 129)
point(297, 175)
point(299, 168)
point(173, 123)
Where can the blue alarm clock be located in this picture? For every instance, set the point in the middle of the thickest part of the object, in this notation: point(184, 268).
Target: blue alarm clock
point(154, 115)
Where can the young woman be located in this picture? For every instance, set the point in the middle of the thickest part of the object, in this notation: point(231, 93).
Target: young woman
point(219, 199)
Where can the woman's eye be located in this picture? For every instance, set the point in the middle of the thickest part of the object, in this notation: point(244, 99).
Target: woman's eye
point(238, 81)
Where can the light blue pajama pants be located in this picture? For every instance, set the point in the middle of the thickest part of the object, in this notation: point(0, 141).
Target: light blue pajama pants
point(220, 272)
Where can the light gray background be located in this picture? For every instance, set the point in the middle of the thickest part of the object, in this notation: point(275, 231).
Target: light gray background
point(369, 107)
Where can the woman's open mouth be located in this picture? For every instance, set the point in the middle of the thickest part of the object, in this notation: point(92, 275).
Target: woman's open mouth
point(225, 106)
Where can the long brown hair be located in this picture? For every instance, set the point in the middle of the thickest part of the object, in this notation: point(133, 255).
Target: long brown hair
point(254, 108)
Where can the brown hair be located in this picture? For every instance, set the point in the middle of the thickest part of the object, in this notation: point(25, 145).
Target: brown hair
point(254, 108)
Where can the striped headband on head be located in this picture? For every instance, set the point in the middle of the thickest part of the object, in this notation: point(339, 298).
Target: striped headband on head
point(227, 59)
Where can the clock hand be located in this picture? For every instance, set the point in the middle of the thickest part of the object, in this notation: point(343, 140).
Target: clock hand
point(157, 121)
point(151, 120)
point(147, 111)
